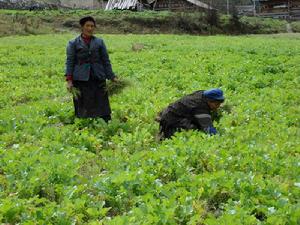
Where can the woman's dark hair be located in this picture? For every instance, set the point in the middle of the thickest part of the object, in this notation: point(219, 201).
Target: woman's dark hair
point(83, 20)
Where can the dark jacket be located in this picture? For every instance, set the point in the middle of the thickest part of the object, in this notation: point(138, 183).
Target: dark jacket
point(193, 108)
point(83, 59)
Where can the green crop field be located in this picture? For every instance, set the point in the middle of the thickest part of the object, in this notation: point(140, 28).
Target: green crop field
point(57, 169)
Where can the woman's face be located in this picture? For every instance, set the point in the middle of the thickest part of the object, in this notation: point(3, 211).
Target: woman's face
point(88, 28)
point(214, 105)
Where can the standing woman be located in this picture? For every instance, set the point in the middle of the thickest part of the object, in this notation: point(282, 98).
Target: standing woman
point(87, 68)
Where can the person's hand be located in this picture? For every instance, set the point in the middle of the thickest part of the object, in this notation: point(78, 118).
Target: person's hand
point(212, 130)
point(115, 79)
point(69, 85)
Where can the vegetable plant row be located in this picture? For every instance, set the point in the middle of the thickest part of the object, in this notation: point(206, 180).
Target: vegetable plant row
point(58, 169)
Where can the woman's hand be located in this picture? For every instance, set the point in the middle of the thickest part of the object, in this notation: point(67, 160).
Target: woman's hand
point(69, 85)
point(115, 79)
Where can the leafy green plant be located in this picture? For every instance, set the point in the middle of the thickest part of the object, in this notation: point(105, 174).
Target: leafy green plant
point(58, 169)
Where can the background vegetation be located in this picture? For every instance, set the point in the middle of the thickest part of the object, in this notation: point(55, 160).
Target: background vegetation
point(119, 22)
point(55, 169)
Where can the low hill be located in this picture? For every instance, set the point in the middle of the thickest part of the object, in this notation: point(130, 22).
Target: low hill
point(147, 22)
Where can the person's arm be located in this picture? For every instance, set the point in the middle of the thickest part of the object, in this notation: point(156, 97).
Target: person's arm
point(70, 63)
point(106, 62)
point(204, 122)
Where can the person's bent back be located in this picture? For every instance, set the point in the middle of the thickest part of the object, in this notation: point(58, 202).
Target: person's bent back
point(193, 111)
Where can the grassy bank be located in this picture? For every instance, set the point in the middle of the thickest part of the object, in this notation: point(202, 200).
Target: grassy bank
point(118, 22)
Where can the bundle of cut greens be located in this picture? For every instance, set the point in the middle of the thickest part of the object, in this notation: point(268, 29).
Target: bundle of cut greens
point(117, 87)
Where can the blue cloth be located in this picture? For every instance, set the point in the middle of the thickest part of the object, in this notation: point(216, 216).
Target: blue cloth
point(212, 131)
point(214, 94)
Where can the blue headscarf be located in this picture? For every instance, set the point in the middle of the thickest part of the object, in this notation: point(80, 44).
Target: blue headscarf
point(215, 94)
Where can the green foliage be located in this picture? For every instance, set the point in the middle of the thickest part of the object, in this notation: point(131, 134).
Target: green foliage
point(296, 26)
point(116, 87)
point(258, 25)
point(58, 169)
point(17, 22)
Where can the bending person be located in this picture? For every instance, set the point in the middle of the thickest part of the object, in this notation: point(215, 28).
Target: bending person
point(193, 111)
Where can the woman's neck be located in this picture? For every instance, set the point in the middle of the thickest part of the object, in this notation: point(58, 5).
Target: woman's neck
point(86, 36)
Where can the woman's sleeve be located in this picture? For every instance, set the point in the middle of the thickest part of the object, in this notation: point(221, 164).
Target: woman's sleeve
point(70, 61)
point(106, 62)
